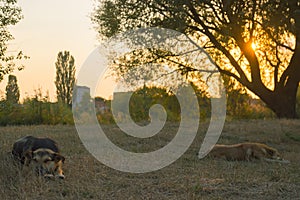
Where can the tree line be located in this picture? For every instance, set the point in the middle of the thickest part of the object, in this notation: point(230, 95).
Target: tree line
point(239, 105)
point(39, 109)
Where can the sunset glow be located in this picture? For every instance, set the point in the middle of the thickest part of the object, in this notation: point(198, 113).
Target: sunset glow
point(253, 46)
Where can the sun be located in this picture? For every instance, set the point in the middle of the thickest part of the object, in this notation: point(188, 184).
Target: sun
point(253, 46)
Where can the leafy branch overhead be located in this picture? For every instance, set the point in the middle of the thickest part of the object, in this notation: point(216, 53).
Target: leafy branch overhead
point(10, 14)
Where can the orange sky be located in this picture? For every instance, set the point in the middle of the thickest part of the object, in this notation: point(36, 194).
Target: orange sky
point(47, 28)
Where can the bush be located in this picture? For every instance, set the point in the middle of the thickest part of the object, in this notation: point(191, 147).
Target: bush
point(34, 111)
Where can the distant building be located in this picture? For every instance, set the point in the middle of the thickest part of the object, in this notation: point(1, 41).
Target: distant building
point(120, 101)
point(101, 105)
point(80, 92)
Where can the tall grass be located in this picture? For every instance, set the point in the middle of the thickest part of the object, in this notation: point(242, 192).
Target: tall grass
point(187, 178)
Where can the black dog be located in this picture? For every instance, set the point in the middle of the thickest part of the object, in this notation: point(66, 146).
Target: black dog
point(43, 153)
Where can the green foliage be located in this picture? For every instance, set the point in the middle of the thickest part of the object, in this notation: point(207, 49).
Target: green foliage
point(105, 118)
point(35, 110)
point(239, 105)
point(12, 90)
point(108, 19)
point(143, 99)
point(237, 98)
point(10, 15)
point(39, 110)
point(65, 77)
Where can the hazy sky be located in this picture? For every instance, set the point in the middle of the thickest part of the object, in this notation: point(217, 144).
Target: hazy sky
point(47, 28)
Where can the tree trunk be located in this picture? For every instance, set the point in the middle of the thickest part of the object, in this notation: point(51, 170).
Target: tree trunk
point(285, 96)
point(283, 103)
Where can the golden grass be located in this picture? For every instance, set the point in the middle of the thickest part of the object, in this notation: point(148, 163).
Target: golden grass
point(187, 178)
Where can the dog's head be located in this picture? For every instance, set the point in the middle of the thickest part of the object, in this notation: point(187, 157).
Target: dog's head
point(272, 153)
point(45, 161)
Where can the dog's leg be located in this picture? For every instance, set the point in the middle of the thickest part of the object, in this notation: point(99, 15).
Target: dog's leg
point(279, 161)
point(248, 154)
point(49, 176)
point(27, 156)
point(59, 170)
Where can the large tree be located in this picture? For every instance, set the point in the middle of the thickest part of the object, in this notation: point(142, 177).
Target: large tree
point(256, 42)
point(65, 77)
point(10, 15)
point(12, 90)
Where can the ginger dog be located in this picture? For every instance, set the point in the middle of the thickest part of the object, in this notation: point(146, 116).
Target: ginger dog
point(246, 152)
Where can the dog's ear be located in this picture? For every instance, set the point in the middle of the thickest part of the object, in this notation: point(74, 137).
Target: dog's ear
point(58, 157)
point(270, 151)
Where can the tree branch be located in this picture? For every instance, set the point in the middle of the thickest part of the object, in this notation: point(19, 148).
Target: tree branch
point(243, 79)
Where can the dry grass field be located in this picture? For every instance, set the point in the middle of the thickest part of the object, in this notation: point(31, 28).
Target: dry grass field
point(187, 178)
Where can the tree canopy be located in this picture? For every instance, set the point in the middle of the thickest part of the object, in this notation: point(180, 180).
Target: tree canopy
point(12, 90)
point(256, 42)
point(10, 14)
point(65, 77)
